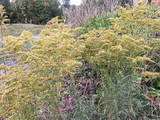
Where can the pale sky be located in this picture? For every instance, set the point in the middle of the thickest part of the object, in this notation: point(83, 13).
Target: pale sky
point(75, 2)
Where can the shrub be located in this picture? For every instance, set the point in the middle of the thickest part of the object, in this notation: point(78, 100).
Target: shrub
point(95, 22)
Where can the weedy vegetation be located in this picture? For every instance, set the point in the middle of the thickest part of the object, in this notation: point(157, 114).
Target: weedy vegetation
point(89, 76)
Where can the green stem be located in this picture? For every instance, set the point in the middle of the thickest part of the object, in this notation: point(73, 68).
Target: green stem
point(77, 98)
point(117, 104)
point(117, 89)
point(130, 98)
point(107, 112)
point(56, 102)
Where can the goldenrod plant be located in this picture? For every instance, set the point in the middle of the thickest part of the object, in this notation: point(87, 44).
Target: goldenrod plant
point(141, 21)
point(114, 55)
point(3, 28)
point(53, 55)
point(65, 76)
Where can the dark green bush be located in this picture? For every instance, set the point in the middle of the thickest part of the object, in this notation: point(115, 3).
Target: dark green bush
point(96, 22)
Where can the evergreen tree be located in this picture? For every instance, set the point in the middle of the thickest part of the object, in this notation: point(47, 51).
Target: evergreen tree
point(44, 12)
point(22, 6)
point(10, 12)
point(55, 8)
point(34, 11)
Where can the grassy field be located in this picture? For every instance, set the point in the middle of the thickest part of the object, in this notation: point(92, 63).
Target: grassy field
point(17, 29)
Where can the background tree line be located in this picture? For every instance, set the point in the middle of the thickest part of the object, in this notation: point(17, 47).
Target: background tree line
point(33, 11)
point(41, 11)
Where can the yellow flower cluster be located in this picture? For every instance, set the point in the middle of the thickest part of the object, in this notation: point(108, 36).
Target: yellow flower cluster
point(141, 21)
point(55, 53)
point(109, 48)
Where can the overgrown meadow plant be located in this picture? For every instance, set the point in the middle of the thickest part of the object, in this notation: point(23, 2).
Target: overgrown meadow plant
point(118, 59)
point(125, 69)
point(53, 55)
point(64, 76)
point(141, 21)
point(3, 28)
